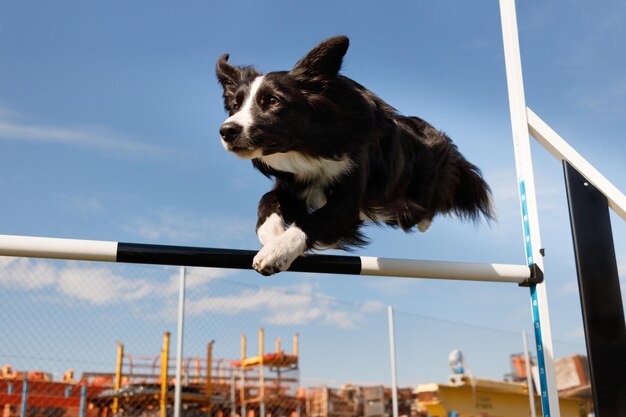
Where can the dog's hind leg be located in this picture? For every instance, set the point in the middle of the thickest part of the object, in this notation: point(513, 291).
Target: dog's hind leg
point(410, 214)
point(424, 225)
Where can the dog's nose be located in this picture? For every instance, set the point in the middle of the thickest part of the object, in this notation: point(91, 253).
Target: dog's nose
point(229, 131)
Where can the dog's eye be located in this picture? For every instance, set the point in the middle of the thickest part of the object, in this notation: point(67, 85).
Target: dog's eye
point(273, 100)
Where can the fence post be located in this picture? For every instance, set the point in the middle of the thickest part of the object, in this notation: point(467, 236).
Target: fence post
point(165, 357)
point(179, 342)
point(118, 376)
point(392, 353)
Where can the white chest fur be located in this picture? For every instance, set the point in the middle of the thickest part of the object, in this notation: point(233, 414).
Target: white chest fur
point(306, 168)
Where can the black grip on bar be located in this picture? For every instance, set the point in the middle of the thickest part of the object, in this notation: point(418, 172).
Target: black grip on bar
point(138, 253)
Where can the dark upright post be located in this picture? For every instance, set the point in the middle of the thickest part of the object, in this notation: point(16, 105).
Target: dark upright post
point(600, 296)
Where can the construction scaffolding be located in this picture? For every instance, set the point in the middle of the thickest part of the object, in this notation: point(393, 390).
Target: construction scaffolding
point(269, 380)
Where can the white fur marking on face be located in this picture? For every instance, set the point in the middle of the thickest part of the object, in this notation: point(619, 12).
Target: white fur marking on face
point(279, 253)
point(271, 228)
point(244, 116)
point(306, 167)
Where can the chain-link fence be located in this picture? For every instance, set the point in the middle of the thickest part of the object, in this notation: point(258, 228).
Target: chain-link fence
point(85, 339)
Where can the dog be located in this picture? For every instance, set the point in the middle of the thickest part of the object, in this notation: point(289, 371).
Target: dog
point(340, 156)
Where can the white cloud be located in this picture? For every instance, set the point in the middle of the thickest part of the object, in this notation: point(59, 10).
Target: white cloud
point(93, 283)
point(372, 307)
point(197, 277)
point(101, 286)
point(104, 285)
point(26, 274)
point(12, 127)
point(285, 306)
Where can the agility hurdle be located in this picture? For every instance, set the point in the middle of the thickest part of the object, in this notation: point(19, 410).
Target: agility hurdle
point(138, 253)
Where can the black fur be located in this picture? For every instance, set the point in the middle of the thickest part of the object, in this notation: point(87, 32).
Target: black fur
point(403, 171)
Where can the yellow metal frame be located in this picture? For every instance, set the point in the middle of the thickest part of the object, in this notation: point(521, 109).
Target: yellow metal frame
point(118, 375)
point(165, 357)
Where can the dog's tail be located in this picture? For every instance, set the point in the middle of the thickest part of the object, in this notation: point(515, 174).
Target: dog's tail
point(473, 197)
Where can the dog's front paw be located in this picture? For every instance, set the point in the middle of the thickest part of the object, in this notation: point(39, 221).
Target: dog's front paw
point(278, 255)
point(270, 261)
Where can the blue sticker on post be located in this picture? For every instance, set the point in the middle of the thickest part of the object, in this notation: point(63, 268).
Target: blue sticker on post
point(545, 405)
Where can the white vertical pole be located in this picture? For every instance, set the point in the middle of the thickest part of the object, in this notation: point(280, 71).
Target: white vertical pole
point(528, 202)
point(179, 342)
point(392, 353)
point(529, 377)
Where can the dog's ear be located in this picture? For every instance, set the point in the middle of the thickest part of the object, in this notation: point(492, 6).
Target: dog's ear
point(322, 63)
point(231, 77)
point(228, 75)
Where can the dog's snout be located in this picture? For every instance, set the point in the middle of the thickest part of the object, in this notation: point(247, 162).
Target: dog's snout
point(229, 131)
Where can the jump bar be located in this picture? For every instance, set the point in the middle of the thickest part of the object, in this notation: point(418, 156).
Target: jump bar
point(137, 253)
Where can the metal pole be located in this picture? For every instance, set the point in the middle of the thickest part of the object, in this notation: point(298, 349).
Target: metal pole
point(392, 353)
point(261, 372)
point(165, 357)
point(83, 401)
point(179, 342)
point(24, 406)
point(242, 376)
point(529, 377)
point(118, 376)
point(528, 205)
point(209, 376)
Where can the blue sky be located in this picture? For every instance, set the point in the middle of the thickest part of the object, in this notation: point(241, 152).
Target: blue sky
point(109, 115)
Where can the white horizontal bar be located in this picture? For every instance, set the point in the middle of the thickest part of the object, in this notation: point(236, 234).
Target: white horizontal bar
point(444, 270)
point(94, 250)
point(56, 248)
point(561, 150)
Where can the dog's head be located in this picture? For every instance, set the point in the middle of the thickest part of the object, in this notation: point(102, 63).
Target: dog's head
point(273, 113)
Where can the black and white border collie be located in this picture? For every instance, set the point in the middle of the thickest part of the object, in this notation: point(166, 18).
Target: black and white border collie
point(340, 156)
